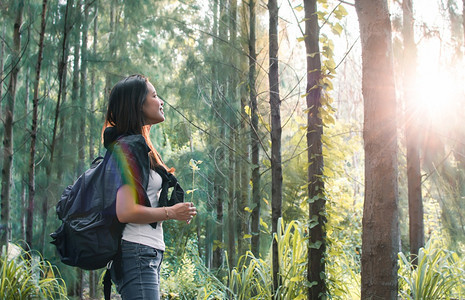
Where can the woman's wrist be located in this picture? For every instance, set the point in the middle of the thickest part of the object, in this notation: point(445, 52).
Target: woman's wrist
point(167, 214)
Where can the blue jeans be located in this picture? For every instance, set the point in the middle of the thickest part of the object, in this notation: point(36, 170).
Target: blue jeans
point(137, 272)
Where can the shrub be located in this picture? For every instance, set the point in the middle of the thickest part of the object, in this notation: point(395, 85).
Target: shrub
point(27, 276)
point(438, 275)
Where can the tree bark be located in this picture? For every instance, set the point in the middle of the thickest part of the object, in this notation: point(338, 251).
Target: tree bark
point(8, 115)
point(380, 235)
point(2, 62)
point(92, 88)
point(75, 99)
point(33, 134)
point(276, 168)
point(222, 82)
point(242, 219)
point(317, 202)
point(234, 162)
point(412, 133)
point(83, 89)
point(255, 222)
point(61, 96)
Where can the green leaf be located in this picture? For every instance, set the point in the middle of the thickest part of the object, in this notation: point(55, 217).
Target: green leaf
point(247, 110)
point(263, 224)
point(315, 245)
point(248, 209)
point(299, 8)
point(340, 12)
point(337, 29)
point(301, 39)
point(297, 279)
point(193, 164)
point(247, 236)
point(312, 55)
point(266, 201)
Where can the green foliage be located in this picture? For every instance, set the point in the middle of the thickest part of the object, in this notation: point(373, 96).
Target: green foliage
point(440, 274)
point(186, 277)
point(34, 278)
point(343, 183)
point(292, 248)
point(252, 277)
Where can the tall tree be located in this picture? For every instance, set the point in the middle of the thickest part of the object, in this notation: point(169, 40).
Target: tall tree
point(93, 280)
point(75, 79)
point(2, 61)
point(8, 115)
point(33, 133)
point(317, 243)
point(222, 82)
point(276, 168)
point(242, 218)
point(412, 132)
point(234, 162)
point(61, 95)
point(255, 149)
point(380, 233)
point(83, 86)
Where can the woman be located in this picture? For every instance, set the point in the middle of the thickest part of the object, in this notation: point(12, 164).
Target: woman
point(132, 109)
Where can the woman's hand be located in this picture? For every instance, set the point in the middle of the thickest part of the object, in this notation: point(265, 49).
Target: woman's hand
point(182, 211)
point(128, 211)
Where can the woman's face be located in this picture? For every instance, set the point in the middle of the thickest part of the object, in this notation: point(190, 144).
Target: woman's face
point(152, 107)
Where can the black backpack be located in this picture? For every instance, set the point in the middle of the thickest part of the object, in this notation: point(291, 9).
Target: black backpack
point(90, 233)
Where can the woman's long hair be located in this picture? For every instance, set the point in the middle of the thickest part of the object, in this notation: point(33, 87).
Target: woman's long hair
point(125, 112)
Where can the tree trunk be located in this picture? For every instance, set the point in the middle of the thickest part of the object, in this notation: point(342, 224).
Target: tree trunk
point(75, 85)
point(317, 242)
point(242, 220)
point(220, 150)
point(83, 90)
point(23, 208)
point(412, 132)
point(2, 54)
point(61, 97)
point(380, 234)
point(92, 90)
point(276, 168)
point(24, 179)
point(93, 280)
point(255, 230)
point(33, 133)
point(234, 163)
point(8, 123)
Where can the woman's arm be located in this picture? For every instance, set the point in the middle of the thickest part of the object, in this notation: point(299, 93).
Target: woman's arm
point(128, 211)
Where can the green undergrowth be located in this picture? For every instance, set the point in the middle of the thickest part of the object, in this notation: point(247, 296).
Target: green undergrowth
point(28, 276)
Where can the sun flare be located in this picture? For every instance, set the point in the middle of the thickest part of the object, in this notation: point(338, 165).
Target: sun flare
point(435, 92)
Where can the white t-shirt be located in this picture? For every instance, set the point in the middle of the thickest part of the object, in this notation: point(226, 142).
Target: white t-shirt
point(144, 233)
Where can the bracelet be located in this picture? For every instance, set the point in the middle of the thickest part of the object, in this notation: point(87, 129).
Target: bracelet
point(166, 212)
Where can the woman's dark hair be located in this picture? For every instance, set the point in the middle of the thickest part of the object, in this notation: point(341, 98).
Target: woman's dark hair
point(125, 105)
point(125, 113)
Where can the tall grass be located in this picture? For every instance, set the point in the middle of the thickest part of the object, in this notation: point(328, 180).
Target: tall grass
point(33, 278)
point(438, 275)
point(252, 277)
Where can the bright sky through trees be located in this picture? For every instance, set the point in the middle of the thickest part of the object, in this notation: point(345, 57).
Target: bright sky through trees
point(440, 72)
